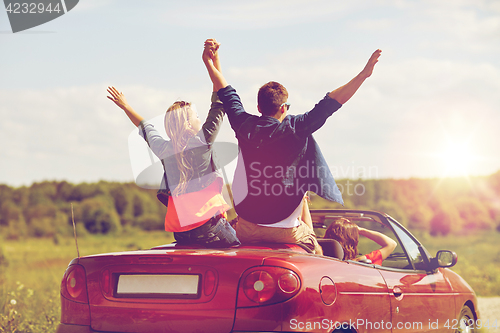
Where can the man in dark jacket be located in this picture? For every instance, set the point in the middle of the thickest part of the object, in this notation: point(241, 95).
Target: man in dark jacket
point(279, 160)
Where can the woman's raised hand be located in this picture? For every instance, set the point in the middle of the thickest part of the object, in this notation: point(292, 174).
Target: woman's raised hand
point(211, 48)
point(117, 97)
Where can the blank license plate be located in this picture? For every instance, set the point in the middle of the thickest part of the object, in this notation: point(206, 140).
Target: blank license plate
point(162, 285)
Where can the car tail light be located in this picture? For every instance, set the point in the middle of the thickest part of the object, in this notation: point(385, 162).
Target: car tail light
point(259, 286)
point(209, 283)
point(267, 285)
point(74, 284)
point(288, 282)
point(106, 282)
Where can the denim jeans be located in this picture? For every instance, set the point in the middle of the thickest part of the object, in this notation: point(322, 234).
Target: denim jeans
point(217, 232)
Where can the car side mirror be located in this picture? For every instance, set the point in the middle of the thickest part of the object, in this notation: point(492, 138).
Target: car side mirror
point(444, 258)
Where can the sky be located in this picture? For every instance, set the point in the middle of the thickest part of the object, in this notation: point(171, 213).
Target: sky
point(430, 109)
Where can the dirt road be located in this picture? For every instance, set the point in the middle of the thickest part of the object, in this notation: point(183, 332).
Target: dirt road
point(489, 308)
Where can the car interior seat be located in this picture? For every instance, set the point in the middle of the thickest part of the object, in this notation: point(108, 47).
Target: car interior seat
point(331, 248)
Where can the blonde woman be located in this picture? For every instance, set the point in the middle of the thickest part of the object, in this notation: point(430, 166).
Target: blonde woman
point(347, 234)
point(196, 211)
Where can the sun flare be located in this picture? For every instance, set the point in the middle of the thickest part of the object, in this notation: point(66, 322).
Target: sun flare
point(456, 159)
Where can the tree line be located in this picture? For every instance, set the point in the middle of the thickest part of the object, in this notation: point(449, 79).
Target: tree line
point(437, 206)
point(44, 209)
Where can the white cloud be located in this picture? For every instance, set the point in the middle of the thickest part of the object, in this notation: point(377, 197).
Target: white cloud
point(76, 133)
point(88, 5)
point(403, 112)
point(253, 14)
point(472, 25)
point(378, 25)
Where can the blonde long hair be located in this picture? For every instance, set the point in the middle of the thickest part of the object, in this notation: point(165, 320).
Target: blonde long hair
point(347, 234)
point(179, 130)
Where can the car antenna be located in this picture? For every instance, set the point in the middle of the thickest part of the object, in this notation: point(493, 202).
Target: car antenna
point(74, 231)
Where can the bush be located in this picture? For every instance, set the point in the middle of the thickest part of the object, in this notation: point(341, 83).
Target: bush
point(120, 198)
point(150, 222)
point(102, 221)
point(41, 227)
point(84, 191)
point(64, 191)
point(391, 208)
point(9, 211)
point(99, 217)
point(15, 230)
point(444, 221)
point(419, 217)
point(3, 259)
point(474, 214)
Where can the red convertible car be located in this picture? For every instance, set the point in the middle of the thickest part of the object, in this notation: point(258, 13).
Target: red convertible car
point(270, 288)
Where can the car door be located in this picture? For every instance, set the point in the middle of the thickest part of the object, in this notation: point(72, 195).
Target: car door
point(422, 299)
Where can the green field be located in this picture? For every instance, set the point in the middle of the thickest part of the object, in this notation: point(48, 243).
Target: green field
point(31, 270)
point(478, 258)
point(30, 283)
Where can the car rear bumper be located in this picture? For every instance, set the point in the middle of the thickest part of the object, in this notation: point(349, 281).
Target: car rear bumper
point(66, 328)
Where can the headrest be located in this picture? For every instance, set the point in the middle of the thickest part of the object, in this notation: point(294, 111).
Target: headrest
point(331, 248)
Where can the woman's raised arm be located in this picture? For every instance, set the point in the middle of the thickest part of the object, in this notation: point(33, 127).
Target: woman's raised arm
point(119, 99)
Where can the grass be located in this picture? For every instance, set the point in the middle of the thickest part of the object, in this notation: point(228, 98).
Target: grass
point(31, 270)
point(478, 258)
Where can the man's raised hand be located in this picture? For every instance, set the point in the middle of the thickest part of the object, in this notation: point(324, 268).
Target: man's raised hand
point(368, 70)
point(210, 50)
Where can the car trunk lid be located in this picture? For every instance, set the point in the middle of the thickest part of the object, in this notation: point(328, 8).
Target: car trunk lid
point(166, 290)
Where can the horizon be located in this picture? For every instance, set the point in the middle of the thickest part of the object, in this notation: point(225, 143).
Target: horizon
point(460, 178)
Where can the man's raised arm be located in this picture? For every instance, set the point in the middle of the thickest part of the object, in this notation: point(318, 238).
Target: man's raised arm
point(344, 93)
point(212, 62)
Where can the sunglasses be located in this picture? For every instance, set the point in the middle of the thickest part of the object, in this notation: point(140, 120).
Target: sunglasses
point(287, 105)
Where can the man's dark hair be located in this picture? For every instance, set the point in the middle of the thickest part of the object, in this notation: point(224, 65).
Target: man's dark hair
point(270, 97)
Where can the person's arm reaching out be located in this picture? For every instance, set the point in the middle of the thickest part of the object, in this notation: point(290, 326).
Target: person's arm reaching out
point(119, 99)
point(147, 131)
point(232, 103)
point(215, 55)
point(311, 121)
point(211, 60)
point(387, 243)
point(344, 93)
point(215, 116)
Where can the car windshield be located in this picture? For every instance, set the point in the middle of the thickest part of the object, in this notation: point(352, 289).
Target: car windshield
point(408, 256)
